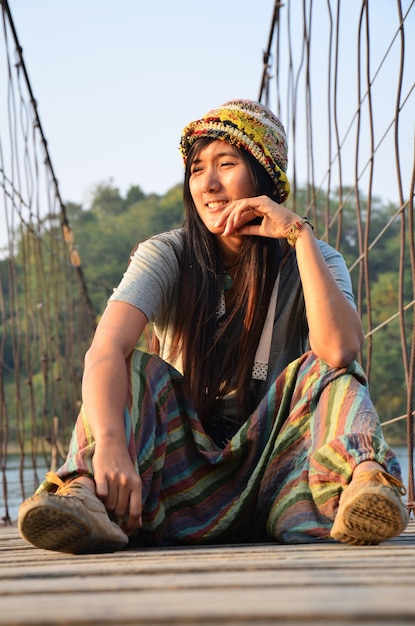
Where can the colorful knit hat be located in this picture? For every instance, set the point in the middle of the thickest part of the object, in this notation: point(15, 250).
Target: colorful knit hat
point(249, 125)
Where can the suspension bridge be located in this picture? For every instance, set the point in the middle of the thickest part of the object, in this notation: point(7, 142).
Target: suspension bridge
point(348, 107)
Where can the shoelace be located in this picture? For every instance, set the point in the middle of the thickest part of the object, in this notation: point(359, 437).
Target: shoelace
point(382, 477)
point(64, 488)
point(53, 478)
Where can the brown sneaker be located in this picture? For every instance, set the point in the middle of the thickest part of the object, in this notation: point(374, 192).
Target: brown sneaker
point(71, 520)
point(370, 510)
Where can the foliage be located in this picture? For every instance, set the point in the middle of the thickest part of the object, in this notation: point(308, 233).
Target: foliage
point(108, 230)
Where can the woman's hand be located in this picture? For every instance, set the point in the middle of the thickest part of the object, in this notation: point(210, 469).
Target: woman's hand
point(276, 220)
point(104, 388)
point(117, 483)
point(335, 328)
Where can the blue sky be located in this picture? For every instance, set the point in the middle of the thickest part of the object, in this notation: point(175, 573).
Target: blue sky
point(116, 81)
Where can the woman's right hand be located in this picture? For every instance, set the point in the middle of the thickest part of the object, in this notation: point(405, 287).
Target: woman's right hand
point(104, 387)
point(118, 484)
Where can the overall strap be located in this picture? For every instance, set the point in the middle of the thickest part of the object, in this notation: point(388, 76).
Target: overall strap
point(260, 368)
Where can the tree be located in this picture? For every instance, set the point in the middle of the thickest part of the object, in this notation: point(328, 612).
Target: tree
point(107, 201)
point(134, 194)
point(105, 234)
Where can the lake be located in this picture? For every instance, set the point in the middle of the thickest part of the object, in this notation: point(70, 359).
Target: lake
point(32, 480)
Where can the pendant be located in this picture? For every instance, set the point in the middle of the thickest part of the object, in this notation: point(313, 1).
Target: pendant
point(227, 281)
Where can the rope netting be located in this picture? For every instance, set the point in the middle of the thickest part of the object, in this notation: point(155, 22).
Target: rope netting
point(45, 315)
point(343, 82)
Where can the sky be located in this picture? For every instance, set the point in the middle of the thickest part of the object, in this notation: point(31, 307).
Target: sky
point(116, 81)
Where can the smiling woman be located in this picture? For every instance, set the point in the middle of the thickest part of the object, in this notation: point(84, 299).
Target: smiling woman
point(218, 177)
point(254, 420)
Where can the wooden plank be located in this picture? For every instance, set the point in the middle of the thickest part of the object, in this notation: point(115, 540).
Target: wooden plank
point(204, 580)
point(137, 563)
point(310, 584)
point(229, 604)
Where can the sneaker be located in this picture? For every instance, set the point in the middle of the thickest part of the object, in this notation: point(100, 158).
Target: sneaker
point(370, 510)
point(72, 519)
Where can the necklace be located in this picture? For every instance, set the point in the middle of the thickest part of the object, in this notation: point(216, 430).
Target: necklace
point(227, 281)
point(227, 278)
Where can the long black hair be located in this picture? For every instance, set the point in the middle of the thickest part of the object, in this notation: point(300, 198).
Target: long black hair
point(218, 354)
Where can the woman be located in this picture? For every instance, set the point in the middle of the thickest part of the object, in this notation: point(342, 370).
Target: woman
point(254, 422)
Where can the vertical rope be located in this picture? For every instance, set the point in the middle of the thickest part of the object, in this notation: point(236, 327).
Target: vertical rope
point(407, 361)
point(336, 121)
point(371, 145)
point(327, 209)
point(411, 372)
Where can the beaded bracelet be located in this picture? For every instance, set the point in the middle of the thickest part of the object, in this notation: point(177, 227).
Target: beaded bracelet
point(293, 234)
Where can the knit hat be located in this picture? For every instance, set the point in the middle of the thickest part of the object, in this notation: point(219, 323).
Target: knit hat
point(249, 125)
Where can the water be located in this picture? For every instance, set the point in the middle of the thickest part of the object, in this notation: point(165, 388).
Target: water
point(402, 454)
point(32, 481)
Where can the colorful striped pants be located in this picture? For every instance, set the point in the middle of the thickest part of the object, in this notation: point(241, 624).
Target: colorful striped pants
point(279, 478)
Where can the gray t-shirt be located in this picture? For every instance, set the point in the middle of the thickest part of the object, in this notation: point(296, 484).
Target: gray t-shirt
point(151, 283)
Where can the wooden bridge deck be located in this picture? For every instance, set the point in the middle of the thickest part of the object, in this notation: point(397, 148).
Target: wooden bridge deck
point(252, 584)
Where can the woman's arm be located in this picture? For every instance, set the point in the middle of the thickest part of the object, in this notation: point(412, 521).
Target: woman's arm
point(335, 329)
point(104, 391)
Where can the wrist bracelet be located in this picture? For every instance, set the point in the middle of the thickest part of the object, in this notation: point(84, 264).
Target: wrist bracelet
point(293, 232)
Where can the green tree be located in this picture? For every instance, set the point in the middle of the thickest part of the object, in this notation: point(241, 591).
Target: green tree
point(134, 194)
point(107, 201)
point(106, 233)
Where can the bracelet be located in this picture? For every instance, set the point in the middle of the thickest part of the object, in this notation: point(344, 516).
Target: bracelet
point(293, 234)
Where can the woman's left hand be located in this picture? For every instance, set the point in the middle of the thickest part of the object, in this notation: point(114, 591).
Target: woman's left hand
point(276, 220)
point(335, 328)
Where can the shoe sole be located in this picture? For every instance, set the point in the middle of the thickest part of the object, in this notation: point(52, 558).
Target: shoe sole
point(369, 520)
point(50, 528)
